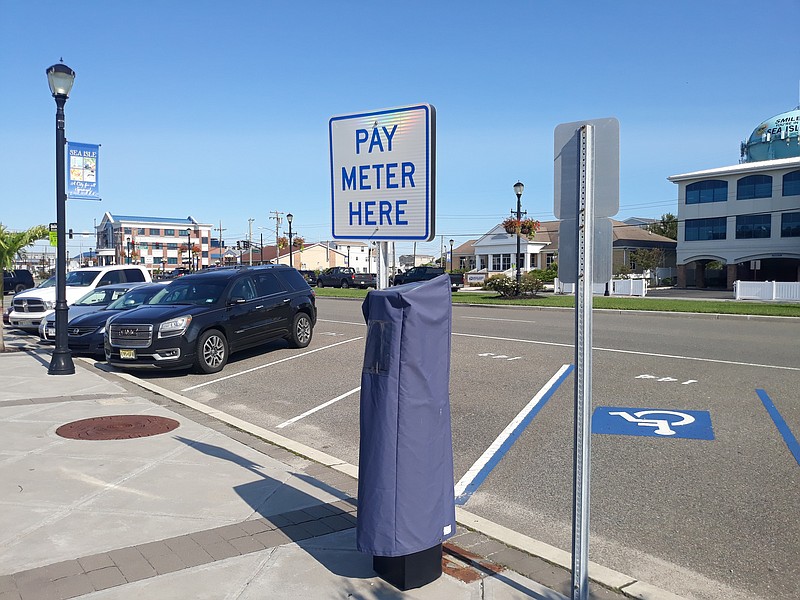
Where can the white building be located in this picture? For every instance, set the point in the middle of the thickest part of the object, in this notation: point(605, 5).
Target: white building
point(161, 244)
point(745, 216)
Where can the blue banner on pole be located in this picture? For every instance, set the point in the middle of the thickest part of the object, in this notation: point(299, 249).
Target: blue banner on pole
point(82, 171)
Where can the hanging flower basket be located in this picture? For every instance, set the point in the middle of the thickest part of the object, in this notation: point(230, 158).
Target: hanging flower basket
point(527, 227)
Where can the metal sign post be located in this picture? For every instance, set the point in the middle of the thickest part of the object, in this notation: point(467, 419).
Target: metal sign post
point(583, 368)
point(586, 194)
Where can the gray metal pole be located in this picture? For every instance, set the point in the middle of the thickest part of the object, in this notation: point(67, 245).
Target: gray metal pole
point(583, 369)
point(61, 361)
point(519, 218)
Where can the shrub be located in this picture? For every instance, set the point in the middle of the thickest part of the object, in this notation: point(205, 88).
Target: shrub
point(529, 283)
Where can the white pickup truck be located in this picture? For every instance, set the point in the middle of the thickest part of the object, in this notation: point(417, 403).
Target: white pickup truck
point(30, 307)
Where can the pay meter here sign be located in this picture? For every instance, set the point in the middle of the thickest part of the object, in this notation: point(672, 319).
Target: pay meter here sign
point(383, 174)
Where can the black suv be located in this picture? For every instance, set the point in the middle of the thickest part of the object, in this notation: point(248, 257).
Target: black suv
point(16, 281)
point(199, 319)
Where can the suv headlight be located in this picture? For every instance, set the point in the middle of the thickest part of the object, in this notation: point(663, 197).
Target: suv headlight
point(174, 327)
point(49, 304)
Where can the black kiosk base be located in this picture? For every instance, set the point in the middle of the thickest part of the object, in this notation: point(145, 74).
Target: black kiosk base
point(411, 570)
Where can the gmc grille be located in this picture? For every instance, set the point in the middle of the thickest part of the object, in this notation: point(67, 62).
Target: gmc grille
point(130, 336)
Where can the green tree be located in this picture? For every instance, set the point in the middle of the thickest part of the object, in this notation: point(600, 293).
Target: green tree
point(13, 244)
point(647, 259)
point(667, 226)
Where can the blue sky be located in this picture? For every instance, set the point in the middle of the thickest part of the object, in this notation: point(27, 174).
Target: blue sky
point(219, 110)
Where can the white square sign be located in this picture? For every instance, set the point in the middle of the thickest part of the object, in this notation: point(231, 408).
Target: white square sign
point(383, 171)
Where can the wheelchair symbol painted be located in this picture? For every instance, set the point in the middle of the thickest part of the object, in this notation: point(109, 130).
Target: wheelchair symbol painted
point(662, 426)
point(653, 422)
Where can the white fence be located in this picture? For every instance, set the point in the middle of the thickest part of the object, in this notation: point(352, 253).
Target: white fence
point(767, 290)
point(617, 287)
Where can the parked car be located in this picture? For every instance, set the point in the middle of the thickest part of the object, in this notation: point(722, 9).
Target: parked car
point(175, 273)
point(309, 276)
point(345, 277)
point(200, 319)
point(31, 306)
point(85, 332)
point(425, 273)
point(17, 281)
point(93, 301)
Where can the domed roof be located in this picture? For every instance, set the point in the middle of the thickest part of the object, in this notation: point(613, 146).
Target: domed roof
point(777, 137)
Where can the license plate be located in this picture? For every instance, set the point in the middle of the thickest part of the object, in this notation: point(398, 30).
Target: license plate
point(130, 354)
point(51, 331)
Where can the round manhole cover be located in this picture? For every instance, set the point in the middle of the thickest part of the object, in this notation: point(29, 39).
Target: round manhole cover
point(116, 427)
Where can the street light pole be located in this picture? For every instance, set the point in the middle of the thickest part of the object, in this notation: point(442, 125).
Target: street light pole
point(290, 218)
point(451, 256)
point(60, 78)
point(128, 253)
point(518, 187)
point(189, 247)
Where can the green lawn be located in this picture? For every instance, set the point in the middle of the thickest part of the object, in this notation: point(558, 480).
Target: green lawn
point(613, 303)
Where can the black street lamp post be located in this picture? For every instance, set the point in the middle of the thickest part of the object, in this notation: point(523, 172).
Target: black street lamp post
point(451, 256)
point(518, 187)
point(128, 253)
point(189, 247)
point(289, 219)
point(60, 78)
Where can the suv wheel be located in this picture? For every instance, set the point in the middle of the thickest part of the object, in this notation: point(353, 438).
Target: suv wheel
point(302, 330)
point(212, 352)
point(20, 288)
point(345, 285)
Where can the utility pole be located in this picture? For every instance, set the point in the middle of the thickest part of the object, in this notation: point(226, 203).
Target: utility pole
point(250, 241)
point(278, 220)
point(221, 259)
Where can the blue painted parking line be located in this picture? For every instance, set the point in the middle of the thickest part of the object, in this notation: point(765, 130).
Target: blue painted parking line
point(653, 422)
point(478, 472)
point(783, 428)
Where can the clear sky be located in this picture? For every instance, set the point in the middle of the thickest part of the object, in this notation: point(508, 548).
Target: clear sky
point(219, 110)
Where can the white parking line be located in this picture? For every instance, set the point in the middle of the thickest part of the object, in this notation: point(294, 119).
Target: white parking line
point(498, 448)
point(340, 322)
point(205, 383)
point(494, 319)
point(315, 409)
point(695, 358)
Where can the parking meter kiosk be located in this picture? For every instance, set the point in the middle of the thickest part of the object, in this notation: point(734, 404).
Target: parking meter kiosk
point(405, 487)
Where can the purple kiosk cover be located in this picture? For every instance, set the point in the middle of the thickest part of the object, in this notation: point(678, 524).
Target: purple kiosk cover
point(405, 473)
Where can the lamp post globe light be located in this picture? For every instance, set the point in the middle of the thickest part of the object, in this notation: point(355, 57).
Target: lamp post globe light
point(289, 219)
point(189, 247)
point(60, 78)
point(451, 256)
point(518, 187)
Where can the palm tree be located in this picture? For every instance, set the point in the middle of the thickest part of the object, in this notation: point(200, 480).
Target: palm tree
point(13, 244)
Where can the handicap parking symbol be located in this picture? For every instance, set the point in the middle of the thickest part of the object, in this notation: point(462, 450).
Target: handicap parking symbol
point(653, 422)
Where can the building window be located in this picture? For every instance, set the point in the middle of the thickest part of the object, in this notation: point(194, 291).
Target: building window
point(172, 246)
point(704, 229)
point(754, 186)
point(140, 231)
point(790, 224)
point(550, 260)
point(155, 232)
point(172, 260)
point(501, 262)
point(712, 190)
point(127, 230)
point(169, 232)
point(753, 226)
point(156, 260)
point(791, 184)
point(157, 245)
point(203, 240)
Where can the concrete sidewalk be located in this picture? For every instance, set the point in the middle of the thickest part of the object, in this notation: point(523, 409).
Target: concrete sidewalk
point(201, 511)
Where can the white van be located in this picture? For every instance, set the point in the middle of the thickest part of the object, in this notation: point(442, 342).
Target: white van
point(30, 307)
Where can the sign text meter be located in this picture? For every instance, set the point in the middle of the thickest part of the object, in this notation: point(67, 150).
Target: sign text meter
point(383, 171)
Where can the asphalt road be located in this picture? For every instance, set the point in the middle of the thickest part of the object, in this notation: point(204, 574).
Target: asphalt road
point(703, 518)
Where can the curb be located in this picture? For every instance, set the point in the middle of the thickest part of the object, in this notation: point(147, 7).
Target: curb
point(604, 576)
